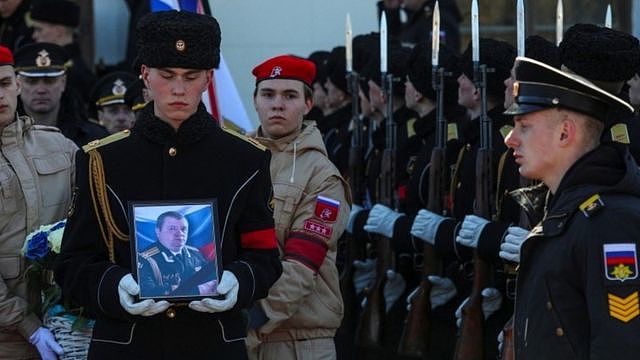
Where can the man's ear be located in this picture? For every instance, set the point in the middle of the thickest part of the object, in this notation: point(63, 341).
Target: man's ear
point(144, 73)
point(568, 129)
point(308, 104)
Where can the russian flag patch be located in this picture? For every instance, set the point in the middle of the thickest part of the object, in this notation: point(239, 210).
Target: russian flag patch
point(620, 261)
point(327, 209)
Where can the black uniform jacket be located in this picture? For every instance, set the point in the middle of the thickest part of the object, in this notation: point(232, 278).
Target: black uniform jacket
point(577, 288)
point(199, 161)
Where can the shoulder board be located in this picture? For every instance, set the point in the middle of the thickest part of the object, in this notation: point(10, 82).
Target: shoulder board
point(106, 140)
point(192, 248)
point(619, 133)
point(245, 138)
point(410, 130)
point(505, 130)
point(592, 205)
point(452, 131)
point(150, 252)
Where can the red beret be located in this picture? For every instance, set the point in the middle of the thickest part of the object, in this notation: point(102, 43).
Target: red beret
point(286, 67)
point(6, 57)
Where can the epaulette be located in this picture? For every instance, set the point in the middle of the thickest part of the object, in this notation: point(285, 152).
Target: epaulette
point(410, 130)
point(505, 130)
point(592, 205)
point(150, 252)
point(106, 140)
point(193, 248)
point(245, 138)
point(620, 133)
point(45, 128)
point(452, 131)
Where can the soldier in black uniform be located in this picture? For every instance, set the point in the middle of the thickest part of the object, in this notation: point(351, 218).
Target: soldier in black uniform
point(577, 287)
point(42, 74)
point(14, 31)
point(174, 152)
point(170, 262)
point(108, 101)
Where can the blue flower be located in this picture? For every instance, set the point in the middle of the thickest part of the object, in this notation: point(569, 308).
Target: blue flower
point(38, 246)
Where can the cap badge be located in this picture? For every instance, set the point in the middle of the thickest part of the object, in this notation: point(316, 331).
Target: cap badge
point(276, 71)
point(118, 88)
point(43, 59)
point(180, 45)
point(516, 89)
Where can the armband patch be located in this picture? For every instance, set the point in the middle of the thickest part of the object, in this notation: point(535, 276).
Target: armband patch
point(620, 261)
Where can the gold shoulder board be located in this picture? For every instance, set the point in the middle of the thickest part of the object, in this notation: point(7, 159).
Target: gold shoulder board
point(505, 130)
point(150, 252)
point(106, 140)
point(245, 138)
point(619, 133)
point(452, 131)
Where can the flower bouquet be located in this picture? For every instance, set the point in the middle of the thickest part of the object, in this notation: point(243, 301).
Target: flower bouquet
point(70, 328)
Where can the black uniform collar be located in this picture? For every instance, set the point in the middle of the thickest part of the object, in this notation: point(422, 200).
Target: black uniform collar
point(158, 131)
point(425, 125)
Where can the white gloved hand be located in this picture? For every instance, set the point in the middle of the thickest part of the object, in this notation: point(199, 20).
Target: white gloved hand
point(127, 289)
point(500, 341)
point(393, 288)
point(228, 287)
point(381, 220)
point(491, 302)
point(442, 290)
point(364, 274)
point(355, 209)
point(425, 226)
point(510, 247)
point(470, 230)
point(46, 344)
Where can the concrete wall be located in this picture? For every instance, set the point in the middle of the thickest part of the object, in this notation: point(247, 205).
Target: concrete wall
point(254, 30)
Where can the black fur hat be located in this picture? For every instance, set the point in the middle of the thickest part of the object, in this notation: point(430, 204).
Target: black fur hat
point(179, 39)
point(336, 68)
point(538, 48)
point(420, 73)
point(495, 54)
point(62, 12)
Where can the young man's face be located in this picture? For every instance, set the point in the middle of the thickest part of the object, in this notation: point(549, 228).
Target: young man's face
point(410, 94)
point(173, 233)
point(508, 90)
point(634, 90)
point(8, 7)
point(335, 96)
point(48, 32)
point(281, 106)
point(467, 92)
point(535, 142)
point(41, 95)
point(176, 92)
point(9, 90)
point(116, 117)
point(376, 97)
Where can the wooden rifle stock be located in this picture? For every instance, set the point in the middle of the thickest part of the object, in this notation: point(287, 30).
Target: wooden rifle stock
point(508, 344)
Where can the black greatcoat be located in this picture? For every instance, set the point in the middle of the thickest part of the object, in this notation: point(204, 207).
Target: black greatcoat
point(208, 163)
point(566, 305)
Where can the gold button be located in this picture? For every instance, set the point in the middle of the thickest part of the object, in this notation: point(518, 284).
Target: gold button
point(559, 331)
point(549, 306)
point(171, 313)
point(172, 151)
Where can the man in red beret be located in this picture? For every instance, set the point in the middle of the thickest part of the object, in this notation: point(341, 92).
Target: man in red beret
point(311, 205)
point(36, 172)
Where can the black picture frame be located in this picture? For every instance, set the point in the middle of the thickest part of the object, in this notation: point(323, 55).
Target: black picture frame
point(176, 263)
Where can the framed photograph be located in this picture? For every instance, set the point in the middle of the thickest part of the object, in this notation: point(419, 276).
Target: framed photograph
point(175, 249)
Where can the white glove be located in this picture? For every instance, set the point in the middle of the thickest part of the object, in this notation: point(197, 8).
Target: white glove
point(46, 344)
point(491, 302)
point(355, 209)
point(127, 288)
point(510, 247)
point(393, 288)
point(470, 230)
point(500, 341)
point(381, 220)
point(425, 225)
point(364, 274)
point(442, 290)
point(228, 287)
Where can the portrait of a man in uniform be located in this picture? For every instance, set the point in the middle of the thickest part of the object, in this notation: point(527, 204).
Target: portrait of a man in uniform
point(175, 259)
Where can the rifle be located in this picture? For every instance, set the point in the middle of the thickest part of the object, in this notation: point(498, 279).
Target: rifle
point(470, 345)
point(415, 338)
point(354, 249)
point(369, 335)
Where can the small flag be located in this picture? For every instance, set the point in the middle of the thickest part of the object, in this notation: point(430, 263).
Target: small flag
point(327, 209)
point(620, 261)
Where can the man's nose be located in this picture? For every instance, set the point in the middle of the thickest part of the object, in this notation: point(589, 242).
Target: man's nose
point(510, 140)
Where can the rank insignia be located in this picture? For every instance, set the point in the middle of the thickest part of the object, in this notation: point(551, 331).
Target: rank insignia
point(591, 205)
point(317, 228)
point(620, 133)
point(327, 209)
point(620, 261)
point(624, 309)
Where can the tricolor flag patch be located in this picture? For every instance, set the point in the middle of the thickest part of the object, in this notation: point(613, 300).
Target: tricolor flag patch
point(327, 209)
point(620, 261)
